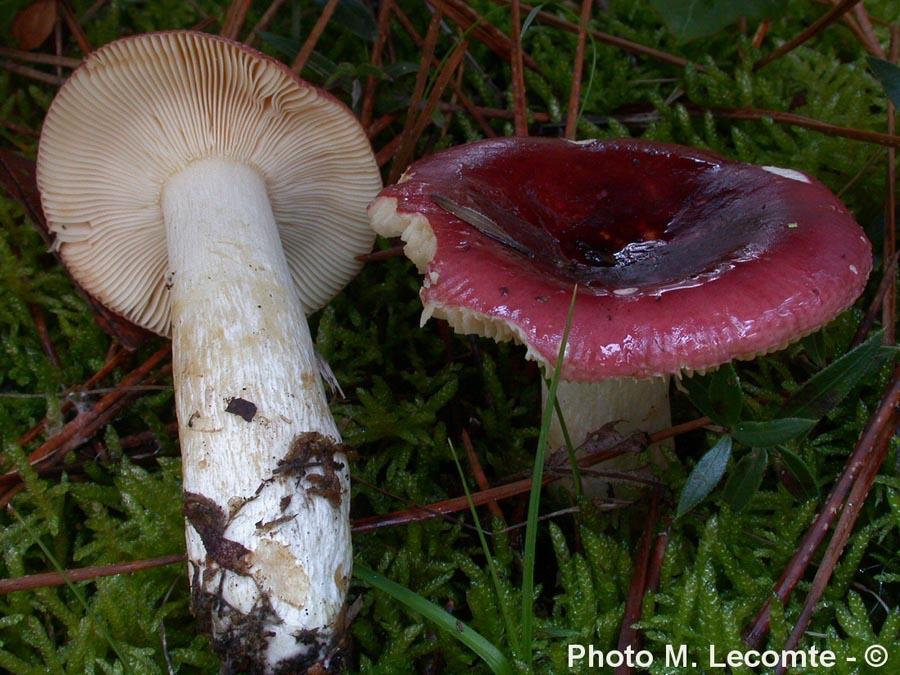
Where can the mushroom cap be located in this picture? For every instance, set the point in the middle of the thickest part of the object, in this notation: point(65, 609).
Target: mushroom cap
point(684, 260)
point(140, 109)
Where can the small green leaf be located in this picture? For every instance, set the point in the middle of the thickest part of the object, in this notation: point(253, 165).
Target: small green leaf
point(771, 432)
point(745, 478)
point(692, 19)
point(717, 395)
point(285, 46)
point(356, 16)
point(705, 476)
point(400, 69)
point(889, 75)
point(532, 15)
point(796, 475)
point(815, 346)
point(827, 388)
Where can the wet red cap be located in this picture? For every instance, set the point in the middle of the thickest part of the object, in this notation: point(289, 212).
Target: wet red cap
point(684, 260)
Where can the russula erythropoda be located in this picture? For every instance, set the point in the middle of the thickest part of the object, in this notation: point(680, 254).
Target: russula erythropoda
point(200, 189)
point(684, 260)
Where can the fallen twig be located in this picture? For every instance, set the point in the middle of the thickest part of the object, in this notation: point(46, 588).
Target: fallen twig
point(234, 19)
point(456, 504)
point(855, 482)
point(89, 422)
point(48, 579)
point(645, 577)
point(313, 38)
point(578, 71)
point(811, 31)
point(890, 140)
point(516, 62)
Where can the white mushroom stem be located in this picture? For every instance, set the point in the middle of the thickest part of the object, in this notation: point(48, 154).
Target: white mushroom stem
point(269, 548)
point(635, 405)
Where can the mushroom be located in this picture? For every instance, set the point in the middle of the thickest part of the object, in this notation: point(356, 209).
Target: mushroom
point(200, 189)
point(684, 260)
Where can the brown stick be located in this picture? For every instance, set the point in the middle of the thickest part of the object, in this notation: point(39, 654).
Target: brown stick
point(480, 478)
point(464, 100)
point(39, 57)
point(867, 454)
point(386, 254)
point(111, 364)
point(40, 325)
point(313, 38)
point(659, 554)
point(444, 78)
point(234, 19)
point(889, 140)
point(32, 73)
point(74, 27)
point(445, 507)
point(368, 101)
point(19, 129)
point(479, 28)
point(762, 30)
point(497, 113)
point(85, 424)
point(408, 140)
point(606, 38)
point(629, 636)
point(520, 105)
point(870, 41)
point(508, 490)
point(264, 21)
point(811, 31)
point(578, 70)
point(47, 579)
point(388, 151)
point(889, 306)
point(58, 42)
point(91, 11)
point(850, 513)
point(888, 276)
point(382, 123)
point(141, 447)
point(679, 429)
point(203, 24)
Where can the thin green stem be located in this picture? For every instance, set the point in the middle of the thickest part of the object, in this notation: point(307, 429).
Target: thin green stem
point(534, 500)
point(511, 631)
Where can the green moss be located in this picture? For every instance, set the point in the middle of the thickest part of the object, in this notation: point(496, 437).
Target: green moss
point(410, 389)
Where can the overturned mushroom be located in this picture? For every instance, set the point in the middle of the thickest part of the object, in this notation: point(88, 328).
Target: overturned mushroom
point(684, 260)
point(200, 189)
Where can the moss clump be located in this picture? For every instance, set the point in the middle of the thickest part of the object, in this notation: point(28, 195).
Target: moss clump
point(408, 390)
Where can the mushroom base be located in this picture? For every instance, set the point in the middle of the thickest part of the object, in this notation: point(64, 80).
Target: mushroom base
point(266, 479)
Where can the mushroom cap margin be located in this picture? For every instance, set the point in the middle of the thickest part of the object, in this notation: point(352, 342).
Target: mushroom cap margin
point(140, 109)
point(815, 266)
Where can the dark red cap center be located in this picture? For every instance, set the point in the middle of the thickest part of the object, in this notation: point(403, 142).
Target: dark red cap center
point(624, 219)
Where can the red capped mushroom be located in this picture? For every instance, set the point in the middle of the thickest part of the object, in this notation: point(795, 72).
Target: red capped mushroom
point(684, 260)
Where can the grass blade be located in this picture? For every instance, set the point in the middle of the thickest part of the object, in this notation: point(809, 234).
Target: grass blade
point(474, 640)
point(98, 622)
point(534, 499)
point(504, 610)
